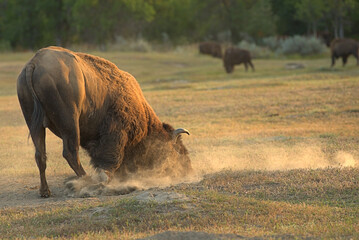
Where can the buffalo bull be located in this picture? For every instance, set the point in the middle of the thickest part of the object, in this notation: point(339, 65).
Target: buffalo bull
point(211, 48)
point(234, 56)
point(87, 101)
point(344, 47)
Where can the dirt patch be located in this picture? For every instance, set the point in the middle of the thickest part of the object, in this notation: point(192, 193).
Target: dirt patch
point(17, 194)
point(66, 190)
point(291, 66)
point(24, 192)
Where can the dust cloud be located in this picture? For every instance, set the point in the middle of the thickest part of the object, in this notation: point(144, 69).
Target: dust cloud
point(95, 185)
point(271, 157)
point(212, 159)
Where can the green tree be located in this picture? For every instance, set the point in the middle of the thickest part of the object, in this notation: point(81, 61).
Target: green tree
point(338, 12)
point(353, 29)
point(32, 23)
point(174, 20)
point(99, 21)
point(311, 12)
point(261, 21)
point(286, 23)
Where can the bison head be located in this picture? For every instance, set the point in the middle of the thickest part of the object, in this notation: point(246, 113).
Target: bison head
point(174, 155)
point(229, 68)
point(227, 60)
point(160, 154)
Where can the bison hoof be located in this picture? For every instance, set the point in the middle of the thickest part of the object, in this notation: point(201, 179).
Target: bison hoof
point(45, 193)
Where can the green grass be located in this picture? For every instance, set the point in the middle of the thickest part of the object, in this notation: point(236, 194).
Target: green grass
point(273, 144)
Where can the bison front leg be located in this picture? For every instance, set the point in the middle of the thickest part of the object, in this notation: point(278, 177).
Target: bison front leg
point(345, 59)
point(333, 61)
point(356, 56)
point(107, 154)
point(104, 176)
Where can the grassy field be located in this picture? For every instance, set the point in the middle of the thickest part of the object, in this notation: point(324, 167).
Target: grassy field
point(276, 152)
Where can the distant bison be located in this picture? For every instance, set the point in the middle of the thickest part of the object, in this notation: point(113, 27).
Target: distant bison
point(211, 48)
point(234, 56)
point(326, 37)
point(87, 101)
point(344, 47)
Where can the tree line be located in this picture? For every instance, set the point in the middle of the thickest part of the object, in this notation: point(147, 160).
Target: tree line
point(30, 24)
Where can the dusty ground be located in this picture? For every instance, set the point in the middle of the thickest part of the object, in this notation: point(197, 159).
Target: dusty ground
point(25, 193)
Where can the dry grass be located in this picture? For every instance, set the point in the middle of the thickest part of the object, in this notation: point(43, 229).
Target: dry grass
point(279, 147)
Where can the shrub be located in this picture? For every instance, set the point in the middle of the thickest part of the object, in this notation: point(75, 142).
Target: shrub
point(273, 43)
point(294, 45)
point(256, 51)
point(301, 45)
point(132, 45)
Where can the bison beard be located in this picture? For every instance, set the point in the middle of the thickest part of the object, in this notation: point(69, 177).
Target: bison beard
point(87, 101)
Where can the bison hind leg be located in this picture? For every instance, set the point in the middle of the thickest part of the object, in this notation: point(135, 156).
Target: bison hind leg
point(252, 66)
point(38, 135)
point(40, 157)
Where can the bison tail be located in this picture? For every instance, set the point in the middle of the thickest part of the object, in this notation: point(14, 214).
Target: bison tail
point(37, 117)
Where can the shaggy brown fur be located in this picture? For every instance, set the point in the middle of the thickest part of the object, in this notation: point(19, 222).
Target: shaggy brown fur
point(211, 48)
point(344, 47)
point(86, 100)
point(234, 56)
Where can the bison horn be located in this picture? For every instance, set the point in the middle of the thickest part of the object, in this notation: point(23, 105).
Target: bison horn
point(177, 132)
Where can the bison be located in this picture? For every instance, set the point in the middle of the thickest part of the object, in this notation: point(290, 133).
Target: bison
point(326, 37)
point(211, 48)
point(87, 101)
point(344, 47)
point(234, 56)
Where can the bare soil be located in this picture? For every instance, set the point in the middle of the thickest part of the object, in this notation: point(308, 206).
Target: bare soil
point(24, 192)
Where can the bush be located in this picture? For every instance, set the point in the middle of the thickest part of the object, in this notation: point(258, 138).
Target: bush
point(301, 45)
point(294, 45)
point(256, 51)
point(273, 43)
point(133, 45)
